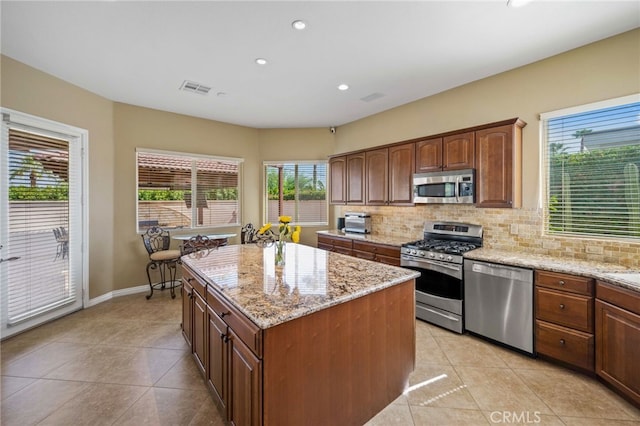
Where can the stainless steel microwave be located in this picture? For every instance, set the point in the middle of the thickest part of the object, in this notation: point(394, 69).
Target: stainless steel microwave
point(456, 186)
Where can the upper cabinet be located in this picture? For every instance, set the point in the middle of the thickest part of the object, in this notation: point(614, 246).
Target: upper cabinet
point(453, 152)
point(458, 151)
point(384, 175)
point(499, 166)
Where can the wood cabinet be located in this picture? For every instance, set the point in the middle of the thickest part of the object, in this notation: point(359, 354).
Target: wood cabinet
point(452, 152)
point(458, 151)
point(355, 179)
point(389, 175)
point(617, 331)
point(310, 370)
point(377, 252)
point(498, 163)
point(335, 244)
point(377, 176)
point(187, 309)
point(199, 340)
point(338, 180)
point(401, 169)
point(565, 318)
point(429, 155)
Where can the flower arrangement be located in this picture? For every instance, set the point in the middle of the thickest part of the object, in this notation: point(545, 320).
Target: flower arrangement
point(285, 233)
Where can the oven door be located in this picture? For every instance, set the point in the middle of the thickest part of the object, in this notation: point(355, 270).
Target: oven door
point(436, 278)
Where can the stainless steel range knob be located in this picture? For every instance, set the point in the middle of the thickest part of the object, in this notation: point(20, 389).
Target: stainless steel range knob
point(431, 255)
point(449, 258)
point(441, 256)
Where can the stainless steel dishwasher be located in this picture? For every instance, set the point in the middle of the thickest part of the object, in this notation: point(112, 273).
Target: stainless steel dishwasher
point(498, 303)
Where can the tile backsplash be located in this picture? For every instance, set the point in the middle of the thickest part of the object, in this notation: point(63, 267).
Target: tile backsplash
point(504, 229)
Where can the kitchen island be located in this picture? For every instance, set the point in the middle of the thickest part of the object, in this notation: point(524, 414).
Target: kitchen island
point(326, 339)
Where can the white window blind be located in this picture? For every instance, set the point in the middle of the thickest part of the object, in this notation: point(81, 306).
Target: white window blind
point(167, 183)
point(41, 209)
point(296, 189)
point(592, 161)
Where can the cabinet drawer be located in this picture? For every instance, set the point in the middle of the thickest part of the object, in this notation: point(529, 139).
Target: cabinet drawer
point(378, 249)
point(565, 282)
point(247, 331)
point(334, 241)
point(190, 277)
point(564, 344)
point(567, 309)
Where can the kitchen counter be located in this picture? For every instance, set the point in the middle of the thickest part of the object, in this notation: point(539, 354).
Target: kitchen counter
point(311, 280)
point(373, 238)
point(608, 272)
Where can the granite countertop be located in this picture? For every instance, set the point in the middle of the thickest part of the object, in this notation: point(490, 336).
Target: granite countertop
point(371, 238)
point(608, 272)
point(311, 280)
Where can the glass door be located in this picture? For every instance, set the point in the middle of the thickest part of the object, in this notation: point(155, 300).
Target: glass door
point(41, 229)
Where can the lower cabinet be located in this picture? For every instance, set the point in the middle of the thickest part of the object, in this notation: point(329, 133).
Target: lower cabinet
point(618, 339)
point(187, 310)
point(198, 341)
point(245, 377)
point(382, 253)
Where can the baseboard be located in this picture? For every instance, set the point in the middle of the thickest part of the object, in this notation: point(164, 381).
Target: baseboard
point(117, 293)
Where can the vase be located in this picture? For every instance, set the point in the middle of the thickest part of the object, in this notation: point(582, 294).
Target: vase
point(280, 253)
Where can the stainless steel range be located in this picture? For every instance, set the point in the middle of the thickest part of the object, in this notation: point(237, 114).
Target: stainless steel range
point(438, 257)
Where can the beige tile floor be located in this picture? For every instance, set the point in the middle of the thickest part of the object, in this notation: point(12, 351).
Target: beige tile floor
point(124, 362)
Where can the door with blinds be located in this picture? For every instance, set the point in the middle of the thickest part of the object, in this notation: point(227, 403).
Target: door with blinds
point(41, 225)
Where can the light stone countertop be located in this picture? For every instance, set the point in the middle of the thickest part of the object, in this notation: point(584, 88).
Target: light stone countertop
point(311, 280)
point(608, 272)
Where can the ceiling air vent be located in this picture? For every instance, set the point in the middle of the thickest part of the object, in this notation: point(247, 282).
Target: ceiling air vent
point(192, 86)
point(372, 97)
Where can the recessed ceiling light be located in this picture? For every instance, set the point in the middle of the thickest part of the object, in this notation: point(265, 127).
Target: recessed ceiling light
point(261, 61)
point(517, 3)
point(343, 86)
point(299, 25)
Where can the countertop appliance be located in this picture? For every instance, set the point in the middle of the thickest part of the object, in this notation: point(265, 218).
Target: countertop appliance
point(438, 257)
point(359, 223)
point(499, 303)
point(456, 186)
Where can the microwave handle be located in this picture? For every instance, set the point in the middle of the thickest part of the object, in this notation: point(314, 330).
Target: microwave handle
point(457, 189)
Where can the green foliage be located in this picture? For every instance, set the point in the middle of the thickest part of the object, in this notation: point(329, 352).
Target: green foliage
point(308, 188)
point(160, 195)
point(590, 199)
point(47, 193)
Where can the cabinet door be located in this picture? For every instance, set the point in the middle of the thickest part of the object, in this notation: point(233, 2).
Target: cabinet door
point(458, 151)
point(245, 374)
point(494, 167)
point(618, 348)
point(187, 311)
point(429, 155)
point(401, 167)
point(199, 330)
point(217, 377)
point(377, 174)
point(355, 178)
point(338, 176)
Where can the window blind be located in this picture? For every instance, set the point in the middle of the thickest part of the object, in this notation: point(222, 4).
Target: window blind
point(186, 191)
point(592, 161)
point(39, 204)
point(296, 189)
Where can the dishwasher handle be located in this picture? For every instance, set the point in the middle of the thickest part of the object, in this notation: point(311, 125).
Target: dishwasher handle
point(501, 271)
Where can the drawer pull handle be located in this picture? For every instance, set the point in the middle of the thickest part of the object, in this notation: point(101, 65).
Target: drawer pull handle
point(562, 306)
point(562, 342)
point(224, 314)
point(561, 282)
point(189, 279)
point(222, 335)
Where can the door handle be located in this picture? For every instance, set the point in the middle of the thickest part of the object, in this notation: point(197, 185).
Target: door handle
point(9, 259)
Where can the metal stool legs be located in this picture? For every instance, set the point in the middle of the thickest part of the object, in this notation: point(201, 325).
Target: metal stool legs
point(163, 266)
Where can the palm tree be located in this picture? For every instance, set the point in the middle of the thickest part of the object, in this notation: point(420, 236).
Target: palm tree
point(30, 167)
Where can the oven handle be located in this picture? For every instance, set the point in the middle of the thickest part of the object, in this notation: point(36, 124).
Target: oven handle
point(442, 265)
point(441, 314)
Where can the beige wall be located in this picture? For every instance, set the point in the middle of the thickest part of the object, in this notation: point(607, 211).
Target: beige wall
point(606, 69)
point(33, 92)
point(603, 70)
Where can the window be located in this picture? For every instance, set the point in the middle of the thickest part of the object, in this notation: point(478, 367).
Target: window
point(296, 189)
point(592, 159)
point(168, 180)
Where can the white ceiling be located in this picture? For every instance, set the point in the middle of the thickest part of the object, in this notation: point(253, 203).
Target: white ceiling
point(141, 52)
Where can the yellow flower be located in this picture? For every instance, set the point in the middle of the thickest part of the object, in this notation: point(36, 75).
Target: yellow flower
point(285, 219)
point(295, 237)
point(264, 228)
